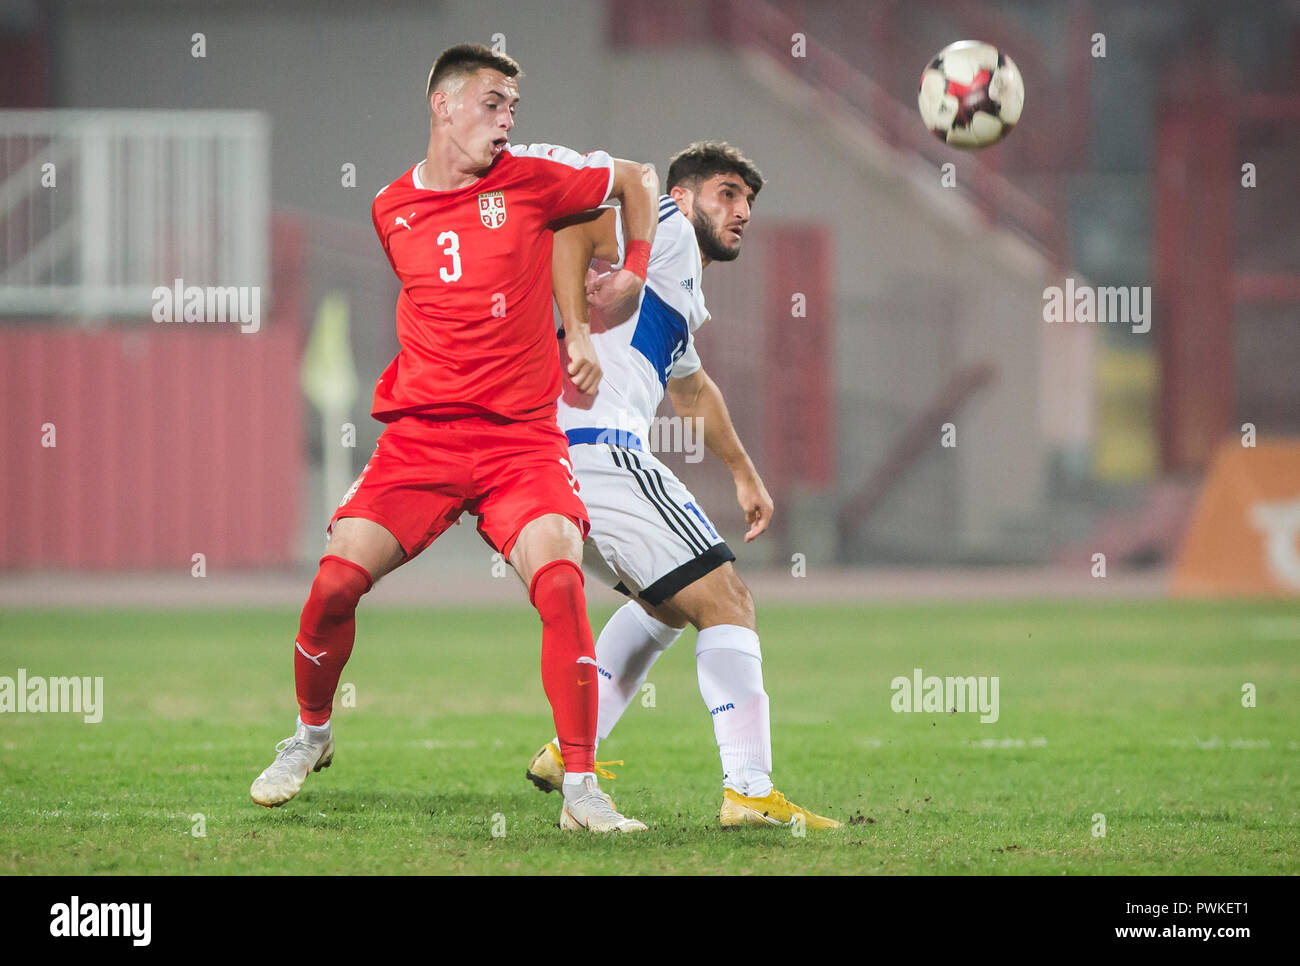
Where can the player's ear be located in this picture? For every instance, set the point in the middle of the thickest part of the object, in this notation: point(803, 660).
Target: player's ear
point(684, 197)
point(439, 107)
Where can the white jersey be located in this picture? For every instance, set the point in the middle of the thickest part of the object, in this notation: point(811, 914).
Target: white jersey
point(639, 356)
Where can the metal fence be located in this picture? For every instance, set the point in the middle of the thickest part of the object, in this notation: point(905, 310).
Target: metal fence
point(97, 209)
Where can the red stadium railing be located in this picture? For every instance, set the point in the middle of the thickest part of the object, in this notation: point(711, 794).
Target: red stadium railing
point(1197, 247)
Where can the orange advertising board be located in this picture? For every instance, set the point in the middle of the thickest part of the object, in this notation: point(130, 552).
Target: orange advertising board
point(1244, 537)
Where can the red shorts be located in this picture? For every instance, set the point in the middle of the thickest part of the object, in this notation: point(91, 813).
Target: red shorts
point(426, 472)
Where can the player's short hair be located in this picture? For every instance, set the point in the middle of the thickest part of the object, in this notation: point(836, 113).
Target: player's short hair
point(465, 59)
point(703, 159)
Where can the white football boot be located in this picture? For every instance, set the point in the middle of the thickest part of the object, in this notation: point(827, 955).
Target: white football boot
point(295, 759)
point(587, 807)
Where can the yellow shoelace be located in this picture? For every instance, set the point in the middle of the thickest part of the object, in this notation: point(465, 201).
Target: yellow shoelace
point(603, 772)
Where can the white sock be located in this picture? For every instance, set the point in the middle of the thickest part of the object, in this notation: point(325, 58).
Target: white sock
point(730, 668)
point(629, 644)
point(572, 784)
point(316, 732)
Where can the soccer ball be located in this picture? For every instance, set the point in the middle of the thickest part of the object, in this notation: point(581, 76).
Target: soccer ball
point(971, 95)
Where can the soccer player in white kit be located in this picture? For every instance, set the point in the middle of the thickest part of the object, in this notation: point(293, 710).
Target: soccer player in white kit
point(650, 539)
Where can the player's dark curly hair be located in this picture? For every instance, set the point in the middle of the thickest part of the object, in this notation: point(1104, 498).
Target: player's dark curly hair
point(703, 159)
point(465, 58)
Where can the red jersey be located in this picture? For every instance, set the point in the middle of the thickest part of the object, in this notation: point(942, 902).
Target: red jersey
point(474, 318)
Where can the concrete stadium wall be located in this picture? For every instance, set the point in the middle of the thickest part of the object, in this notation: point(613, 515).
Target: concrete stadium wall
point(342, 83)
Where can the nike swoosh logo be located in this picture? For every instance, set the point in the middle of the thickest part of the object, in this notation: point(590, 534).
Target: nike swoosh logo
point(583, 684)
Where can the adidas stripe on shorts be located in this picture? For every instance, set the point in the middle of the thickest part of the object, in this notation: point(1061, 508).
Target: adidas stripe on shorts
point(649, 537)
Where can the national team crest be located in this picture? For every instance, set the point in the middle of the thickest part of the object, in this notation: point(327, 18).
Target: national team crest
point(492, 208)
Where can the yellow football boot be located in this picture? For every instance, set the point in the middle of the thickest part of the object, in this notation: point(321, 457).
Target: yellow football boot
point(546, 770)
point(771, 809)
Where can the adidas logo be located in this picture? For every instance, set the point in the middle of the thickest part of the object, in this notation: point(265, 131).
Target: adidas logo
point(688, 284)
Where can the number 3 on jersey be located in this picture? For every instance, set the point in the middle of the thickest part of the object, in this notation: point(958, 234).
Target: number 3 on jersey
point(452, 249)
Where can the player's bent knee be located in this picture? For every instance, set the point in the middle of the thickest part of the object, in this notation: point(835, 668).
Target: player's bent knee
point(545, 539)
point(366, 544)
point(554, 532)
point(741, 605)
point(733, 603)
point(744, 603)
point(719, 597)
point(339, 586)
point(557, 586)
point(664, 613)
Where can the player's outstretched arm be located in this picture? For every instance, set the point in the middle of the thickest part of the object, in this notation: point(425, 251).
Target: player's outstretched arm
point(578, 240)
point(697, 395)
point(636, 186)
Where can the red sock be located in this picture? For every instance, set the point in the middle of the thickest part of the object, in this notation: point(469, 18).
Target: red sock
point(570, 681)
point(325, 635)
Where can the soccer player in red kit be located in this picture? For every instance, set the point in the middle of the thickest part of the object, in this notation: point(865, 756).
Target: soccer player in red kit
point(470, 403)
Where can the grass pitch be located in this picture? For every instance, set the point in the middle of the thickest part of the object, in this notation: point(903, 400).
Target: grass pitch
point(1131, 711)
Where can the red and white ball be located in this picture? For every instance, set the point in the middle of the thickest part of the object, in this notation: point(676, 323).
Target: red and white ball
point(971, 95)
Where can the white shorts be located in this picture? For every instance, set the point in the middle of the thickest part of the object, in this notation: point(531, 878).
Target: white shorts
point(649, 538)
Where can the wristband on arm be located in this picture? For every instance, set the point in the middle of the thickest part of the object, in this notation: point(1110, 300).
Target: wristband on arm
point(637, 258)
